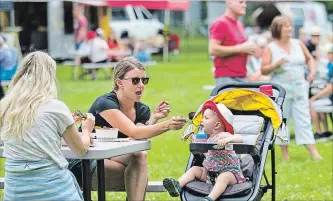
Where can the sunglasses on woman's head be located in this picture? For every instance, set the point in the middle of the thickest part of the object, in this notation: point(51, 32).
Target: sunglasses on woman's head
point(136, 80)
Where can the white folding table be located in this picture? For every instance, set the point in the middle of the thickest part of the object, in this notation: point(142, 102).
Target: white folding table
point(101, 151)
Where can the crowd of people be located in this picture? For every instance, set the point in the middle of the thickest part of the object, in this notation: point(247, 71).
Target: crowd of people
point(98, 48)
point(276, 57)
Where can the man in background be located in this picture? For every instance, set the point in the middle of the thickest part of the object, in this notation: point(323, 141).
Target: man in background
point(227, 43)
point(80, 26)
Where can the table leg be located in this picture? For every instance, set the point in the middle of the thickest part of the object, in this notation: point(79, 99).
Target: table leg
point(86, 180)
point(101, 180)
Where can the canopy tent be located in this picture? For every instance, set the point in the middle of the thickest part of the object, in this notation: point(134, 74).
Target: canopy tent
point(90, 2)
point(153, 4)
point(167, 5)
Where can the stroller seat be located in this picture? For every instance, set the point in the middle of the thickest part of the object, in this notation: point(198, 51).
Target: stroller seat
point(250, 127)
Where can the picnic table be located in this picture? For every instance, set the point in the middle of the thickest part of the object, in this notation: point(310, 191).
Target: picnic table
point(101, 151)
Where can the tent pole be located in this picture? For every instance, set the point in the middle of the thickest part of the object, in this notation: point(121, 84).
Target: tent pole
point(166, 44)
point(12, 18)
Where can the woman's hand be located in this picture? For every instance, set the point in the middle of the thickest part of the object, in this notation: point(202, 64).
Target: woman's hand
point(280, 62)
point(162, 110)
point(176, 123)
point(89, 123)
point(311, 77)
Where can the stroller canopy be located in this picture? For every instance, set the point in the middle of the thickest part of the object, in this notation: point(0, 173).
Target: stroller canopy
point(245, 100)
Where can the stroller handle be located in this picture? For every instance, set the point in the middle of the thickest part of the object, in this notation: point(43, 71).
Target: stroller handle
point(279, 88)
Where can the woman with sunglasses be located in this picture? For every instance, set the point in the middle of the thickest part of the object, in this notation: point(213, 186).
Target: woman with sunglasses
point(122, 109)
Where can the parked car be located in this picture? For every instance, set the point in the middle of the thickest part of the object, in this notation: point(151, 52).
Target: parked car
point(138, 22)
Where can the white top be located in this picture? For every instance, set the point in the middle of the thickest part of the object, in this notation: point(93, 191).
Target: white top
point(43, 139)
point(98, 50)
point(104, 150)
point(253, 65)
point(291, 75)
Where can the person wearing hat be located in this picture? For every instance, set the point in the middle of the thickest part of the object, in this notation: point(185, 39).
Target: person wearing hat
point(99, 48)
point(217, 123)
point(313, 43)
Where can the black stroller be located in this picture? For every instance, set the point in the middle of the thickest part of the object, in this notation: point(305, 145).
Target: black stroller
point(258, 129)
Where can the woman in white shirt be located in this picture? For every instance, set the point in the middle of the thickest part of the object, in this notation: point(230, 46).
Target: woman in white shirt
point(98, 48)
point(32, 123)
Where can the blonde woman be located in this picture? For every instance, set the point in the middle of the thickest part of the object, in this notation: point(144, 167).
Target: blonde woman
point(32, 123)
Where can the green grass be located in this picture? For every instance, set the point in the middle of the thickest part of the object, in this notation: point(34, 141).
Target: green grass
point(180, 82)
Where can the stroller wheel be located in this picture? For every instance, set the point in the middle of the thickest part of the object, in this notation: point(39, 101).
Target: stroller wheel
point(172, 186)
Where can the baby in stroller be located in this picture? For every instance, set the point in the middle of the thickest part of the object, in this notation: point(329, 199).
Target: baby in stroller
point(224, 165)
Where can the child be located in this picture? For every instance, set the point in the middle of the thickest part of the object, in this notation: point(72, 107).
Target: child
point(217, 123)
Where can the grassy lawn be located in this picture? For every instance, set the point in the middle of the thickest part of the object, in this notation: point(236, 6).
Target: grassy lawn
point(180, 82)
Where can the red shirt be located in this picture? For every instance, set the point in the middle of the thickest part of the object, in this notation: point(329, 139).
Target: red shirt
point(230, 33)
point(80, 23)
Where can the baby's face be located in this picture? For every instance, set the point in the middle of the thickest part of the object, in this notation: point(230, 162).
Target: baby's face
point(209, 121)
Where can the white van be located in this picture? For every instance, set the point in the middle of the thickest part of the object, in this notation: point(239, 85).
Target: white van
point(138, 22)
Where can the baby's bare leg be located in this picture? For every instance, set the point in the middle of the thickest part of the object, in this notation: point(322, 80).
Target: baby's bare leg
point(193, 173)
point(174, 187)
point(222, 181)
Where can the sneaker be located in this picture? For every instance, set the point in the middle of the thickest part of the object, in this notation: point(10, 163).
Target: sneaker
point(172, 186)
point(320, 137)
point(328, 135)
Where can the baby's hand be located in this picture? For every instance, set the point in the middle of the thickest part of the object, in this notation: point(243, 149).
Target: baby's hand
point(223, 142)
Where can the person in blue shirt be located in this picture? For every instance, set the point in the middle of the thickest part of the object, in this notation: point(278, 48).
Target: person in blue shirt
point(330, 61)
point(8, 63)
point(320, 99)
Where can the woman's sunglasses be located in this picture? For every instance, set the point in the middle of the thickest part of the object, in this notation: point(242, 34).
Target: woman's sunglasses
point(136, 80)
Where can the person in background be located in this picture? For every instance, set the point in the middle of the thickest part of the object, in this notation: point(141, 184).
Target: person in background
point(113, 45)
point(302, 35)
point(319, 99)
point(284, 60)
point(8, 63)
point(80, 25)
point(254, 62)
point(99, 48)
point(313, 43)
point(330, 60)
point(174, 43)
point(227, 44)
point(157, 42)
point(319, 120)
point(140, 51)
point(32, 123)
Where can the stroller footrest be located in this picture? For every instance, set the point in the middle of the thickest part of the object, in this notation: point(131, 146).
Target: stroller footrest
point(239, 148)
point(202, 188)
